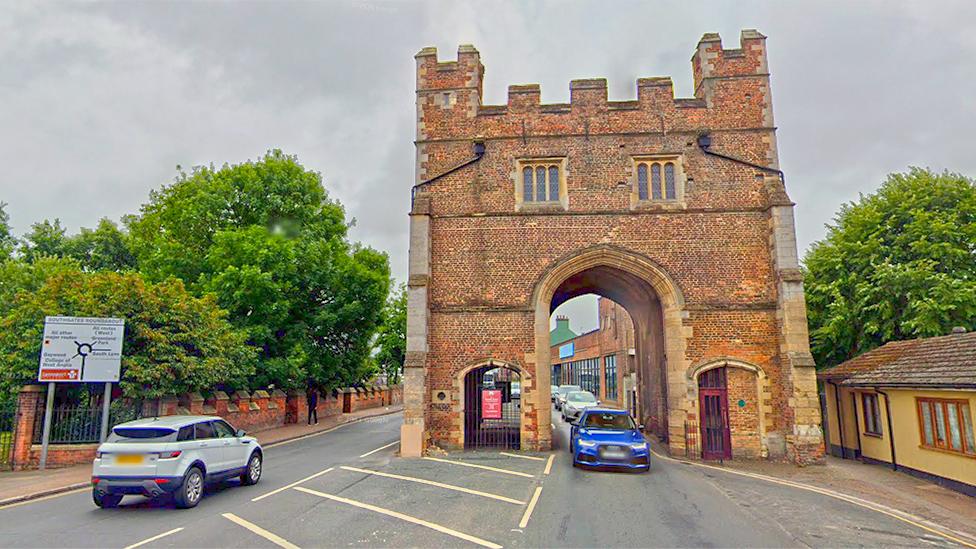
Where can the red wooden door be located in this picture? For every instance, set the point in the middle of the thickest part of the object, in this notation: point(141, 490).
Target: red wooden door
point(713, 400)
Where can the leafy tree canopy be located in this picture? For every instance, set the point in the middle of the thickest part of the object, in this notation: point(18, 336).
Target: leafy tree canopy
point(7, 240)
point(266, 239)
point(174, 342)
point(896, 264)
point(106, 248)
point(391, 340)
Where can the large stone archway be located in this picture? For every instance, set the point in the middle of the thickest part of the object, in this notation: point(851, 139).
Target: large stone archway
point(654, 302)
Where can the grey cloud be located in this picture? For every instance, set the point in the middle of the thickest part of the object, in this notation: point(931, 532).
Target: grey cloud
point(100, 101)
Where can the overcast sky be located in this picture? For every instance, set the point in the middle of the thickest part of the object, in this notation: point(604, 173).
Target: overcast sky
point(99, 102)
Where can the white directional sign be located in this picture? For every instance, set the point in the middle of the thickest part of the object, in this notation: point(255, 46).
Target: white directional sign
point(78, 349)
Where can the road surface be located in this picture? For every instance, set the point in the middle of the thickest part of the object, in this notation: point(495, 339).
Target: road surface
point(360, 494)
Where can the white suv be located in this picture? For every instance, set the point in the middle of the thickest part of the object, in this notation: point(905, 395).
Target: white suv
point(175, 455)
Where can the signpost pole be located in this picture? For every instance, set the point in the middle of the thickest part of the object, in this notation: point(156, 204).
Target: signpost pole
point(106, 401)
point(47, 424)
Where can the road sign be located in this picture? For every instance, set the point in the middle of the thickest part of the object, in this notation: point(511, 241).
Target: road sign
point(81, 349)
point(491, 404)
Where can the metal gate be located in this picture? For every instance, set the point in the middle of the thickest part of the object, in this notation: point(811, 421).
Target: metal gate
point(497, 428)
point(8, 423)
point(714, 403)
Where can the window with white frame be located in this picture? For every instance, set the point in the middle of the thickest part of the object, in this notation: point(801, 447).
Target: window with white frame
point(658, 179)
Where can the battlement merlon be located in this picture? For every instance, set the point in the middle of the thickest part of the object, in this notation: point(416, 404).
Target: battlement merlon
point(466, 73)
point(710, 61)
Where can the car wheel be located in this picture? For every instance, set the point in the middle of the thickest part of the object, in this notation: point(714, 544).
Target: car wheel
point(106, 501)
point(191, 491)
point(252, 473)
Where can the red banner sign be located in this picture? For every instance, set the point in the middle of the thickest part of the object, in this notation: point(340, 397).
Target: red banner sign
point(491, 404)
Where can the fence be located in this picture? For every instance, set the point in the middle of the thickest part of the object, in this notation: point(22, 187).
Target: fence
point(8, 420)
point(73, 424)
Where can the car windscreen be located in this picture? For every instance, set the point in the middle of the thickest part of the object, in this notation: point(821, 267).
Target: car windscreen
point(581, 396)
point(609, 421)
point(565, 389)
point(142, 434)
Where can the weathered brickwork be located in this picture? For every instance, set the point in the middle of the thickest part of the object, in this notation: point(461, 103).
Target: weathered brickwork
point(710, 278)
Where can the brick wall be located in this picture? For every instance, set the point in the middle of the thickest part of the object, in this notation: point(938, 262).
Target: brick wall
point(724, 282)
point(253, 412)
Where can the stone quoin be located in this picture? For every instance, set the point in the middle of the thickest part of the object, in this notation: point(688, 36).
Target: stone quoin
point(671, 207)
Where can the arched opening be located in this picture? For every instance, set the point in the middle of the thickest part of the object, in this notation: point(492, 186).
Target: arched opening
point(648, 398)
point(654, 303)
point(492, 407)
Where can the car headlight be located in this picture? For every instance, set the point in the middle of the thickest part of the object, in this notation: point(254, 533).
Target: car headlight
point(587, 444)
point(639, 446)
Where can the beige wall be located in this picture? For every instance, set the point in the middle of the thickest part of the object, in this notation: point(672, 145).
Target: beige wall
point(905, 425)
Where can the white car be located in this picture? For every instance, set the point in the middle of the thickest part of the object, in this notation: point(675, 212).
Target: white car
point(175, 455)
point(576, 402)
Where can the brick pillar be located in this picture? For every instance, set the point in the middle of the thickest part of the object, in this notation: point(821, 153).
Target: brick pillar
point(28, 400)
point(296, 406)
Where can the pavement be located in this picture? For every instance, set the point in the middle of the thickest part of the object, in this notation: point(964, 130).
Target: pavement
point(348, 488)
point(25, 485)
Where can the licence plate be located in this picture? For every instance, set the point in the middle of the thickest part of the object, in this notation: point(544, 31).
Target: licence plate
point(128, 459)
point(614, 454)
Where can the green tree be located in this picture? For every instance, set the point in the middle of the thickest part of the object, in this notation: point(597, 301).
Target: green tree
point(19, 276)
point(44, 239)
point(8, 243)
point(105, 248)
point(391, 341)
point(174, 342)
point(267, 240)
point(896, 264)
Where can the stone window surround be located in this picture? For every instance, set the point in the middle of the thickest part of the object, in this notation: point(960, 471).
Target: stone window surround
point(680, 180)
point(521, 205)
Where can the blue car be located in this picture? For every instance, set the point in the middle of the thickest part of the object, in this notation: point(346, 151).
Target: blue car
point(609, 438)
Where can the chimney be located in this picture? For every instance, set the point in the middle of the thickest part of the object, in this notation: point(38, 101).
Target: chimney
point(562, 321)
point(958, 329)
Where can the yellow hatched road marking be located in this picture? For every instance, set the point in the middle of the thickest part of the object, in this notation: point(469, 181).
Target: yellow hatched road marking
point(549, 464)
point(292, 485)
point(154, 538)
point(273, 538)
point(829, 493)
point(485, 467)
point(434, 483)
point(401, 516)
point(528, 510)
point(534, 458)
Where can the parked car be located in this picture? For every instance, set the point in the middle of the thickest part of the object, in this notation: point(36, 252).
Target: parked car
point(576, 402)
point(603, 437)
point(563, 391)
point(554, 391)
point(172, 455)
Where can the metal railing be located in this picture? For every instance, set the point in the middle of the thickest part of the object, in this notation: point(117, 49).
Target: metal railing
point(692, 436)
point(72, 424)
point(8, 423)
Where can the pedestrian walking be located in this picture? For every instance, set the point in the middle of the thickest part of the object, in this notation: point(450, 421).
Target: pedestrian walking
point(312, 398)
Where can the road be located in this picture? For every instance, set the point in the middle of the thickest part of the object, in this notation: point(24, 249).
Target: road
point(368, 497)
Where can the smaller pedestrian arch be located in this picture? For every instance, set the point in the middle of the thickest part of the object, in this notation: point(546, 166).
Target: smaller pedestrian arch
point(491, 404)
point(731, 395)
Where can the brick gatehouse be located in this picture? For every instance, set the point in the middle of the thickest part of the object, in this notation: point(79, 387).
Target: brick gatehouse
point(673, 208)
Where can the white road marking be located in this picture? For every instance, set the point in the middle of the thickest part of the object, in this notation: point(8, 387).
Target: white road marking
point(292, 485)
point(401, 516)
point(437, 484)
point(830, 493)
point(487, 468)
point(380, 448)
point(521, 456)
point(154, 538)
point(549, 464)
point(528, 510)
point(273, 538)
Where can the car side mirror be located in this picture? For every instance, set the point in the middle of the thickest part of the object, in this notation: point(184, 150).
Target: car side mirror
point(640, 427)
point(240, 433)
